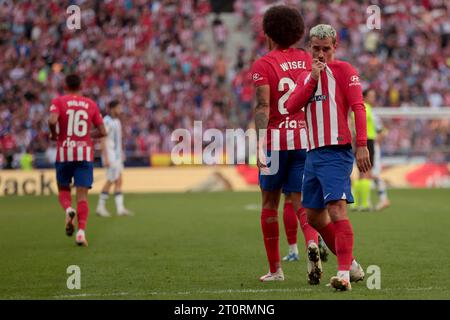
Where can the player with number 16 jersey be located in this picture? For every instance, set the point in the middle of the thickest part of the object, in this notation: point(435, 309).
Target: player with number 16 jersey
point(76, 116)
point(70, 122)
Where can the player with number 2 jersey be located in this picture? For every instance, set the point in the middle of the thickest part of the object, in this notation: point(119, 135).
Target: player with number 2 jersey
point(281, 167)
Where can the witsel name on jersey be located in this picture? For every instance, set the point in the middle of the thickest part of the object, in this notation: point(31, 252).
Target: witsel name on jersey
point(293, 65)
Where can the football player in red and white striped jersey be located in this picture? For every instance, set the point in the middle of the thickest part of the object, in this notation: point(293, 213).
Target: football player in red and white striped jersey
point(274, 77)
point(70, 122)
point(327, 94)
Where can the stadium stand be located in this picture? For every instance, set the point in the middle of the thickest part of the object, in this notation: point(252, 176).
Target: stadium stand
point(173, 62)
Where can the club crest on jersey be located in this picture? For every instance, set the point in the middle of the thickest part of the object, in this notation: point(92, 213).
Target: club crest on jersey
point(354, 81)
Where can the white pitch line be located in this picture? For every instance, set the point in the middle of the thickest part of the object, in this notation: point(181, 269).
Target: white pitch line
point(223, 291)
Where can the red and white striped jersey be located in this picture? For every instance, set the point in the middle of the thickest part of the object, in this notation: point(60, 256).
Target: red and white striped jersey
point(327, 103)
point(279, 69)
point(76, 114)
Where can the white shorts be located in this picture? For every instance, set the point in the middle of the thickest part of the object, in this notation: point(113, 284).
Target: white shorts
point(113, 172)
point(376, 166)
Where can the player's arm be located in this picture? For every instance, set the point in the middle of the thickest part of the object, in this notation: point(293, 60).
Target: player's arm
point(100, 132)
point(262, 110)
point(97, 120)
point(104, 151)
point(356, 102)
point(53, 121)
point(302, 93)
point(260, 78)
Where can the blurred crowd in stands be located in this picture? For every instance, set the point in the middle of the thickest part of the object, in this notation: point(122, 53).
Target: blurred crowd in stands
point(166, 61)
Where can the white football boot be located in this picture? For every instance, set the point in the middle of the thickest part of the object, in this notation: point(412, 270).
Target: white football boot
point(292, 256)
point(340, 283)
point(356, 272)
point(383, 205)
point(102, 212)
point(81, 238)
point(124, 212)
point(277, 276)
point(314, 264)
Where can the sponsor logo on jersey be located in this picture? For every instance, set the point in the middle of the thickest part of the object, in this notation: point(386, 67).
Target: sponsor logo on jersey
point(320, 97)
point(68, 143)
point(256, 76)
point(292, 124)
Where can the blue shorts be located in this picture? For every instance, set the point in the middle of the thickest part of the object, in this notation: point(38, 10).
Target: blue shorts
point(288, 173)
point(327, 176)
point(82, 173)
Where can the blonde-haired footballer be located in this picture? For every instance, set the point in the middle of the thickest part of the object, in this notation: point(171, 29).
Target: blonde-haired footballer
point(112, 159)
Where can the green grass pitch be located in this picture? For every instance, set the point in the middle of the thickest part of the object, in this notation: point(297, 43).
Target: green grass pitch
point(209, 246)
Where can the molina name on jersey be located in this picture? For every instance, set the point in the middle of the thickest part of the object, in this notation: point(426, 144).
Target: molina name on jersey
point(279, 69)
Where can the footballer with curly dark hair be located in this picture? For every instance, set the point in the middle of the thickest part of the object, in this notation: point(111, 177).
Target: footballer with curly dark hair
point(284, 139)
point(283, 25)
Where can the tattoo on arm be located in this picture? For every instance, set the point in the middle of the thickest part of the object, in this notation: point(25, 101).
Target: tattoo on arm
point(262, 108)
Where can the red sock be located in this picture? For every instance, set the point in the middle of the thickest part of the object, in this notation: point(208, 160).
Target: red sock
point(83, 213)
point(290, 223)
point(309, 232)
point(269, 224)
point(65, 199)
point(328, 234)
point(344, 244)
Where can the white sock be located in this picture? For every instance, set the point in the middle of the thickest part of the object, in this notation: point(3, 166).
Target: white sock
point(381, 186)
point(293, 248)
point(345, 274)
point(80, 232)
point(102, 199)
point(69, 209)
point(354, 265)
point(119, 201)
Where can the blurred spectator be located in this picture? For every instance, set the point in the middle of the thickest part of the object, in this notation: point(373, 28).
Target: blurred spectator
point(8, 148)
point(26, 161)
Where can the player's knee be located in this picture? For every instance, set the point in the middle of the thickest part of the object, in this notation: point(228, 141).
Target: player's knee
point(337, 210)
point(313, 221)
point(270, 206)
point(314, 218)
point(287, 197)
point(271, 200)
point(82, 194)
point(63, 188)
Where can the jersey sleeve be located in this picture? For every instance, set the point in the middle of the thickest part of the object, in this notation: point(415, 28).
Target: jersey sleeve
point(259, 74)
point(54, 106)
point(355, 100)
point(97, 119)
point(308, 61)
point(304, 90)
